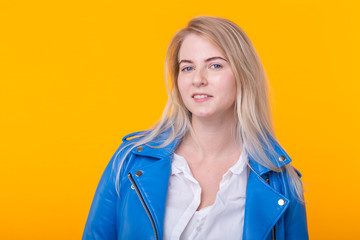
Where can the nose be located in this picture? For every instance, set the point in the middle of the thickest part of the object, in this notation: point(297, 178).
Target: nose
point(200, 77)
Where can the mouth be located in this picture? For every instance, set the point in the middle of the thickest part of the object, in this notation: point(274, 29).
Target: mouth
point(200, 96)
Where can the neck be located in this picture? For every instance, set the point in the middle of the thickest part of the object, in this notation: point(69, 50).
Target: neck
point(212, 139)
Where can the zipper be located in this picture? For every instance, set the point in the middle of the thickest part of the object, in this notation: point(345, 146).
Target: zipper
point(273, 229)
point(143, 204)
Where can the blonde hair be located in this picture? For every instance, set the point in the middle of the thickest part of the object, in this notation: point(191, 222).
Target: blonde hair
point(254, 126)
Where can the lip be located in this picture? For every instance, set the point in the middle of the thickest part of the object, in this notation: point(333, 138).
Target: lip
point(203, 99)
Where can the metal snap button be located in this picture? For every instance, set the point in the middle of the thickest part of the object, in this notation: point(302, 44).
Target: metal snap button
point(281, 202)
point(282, 158)
point(139, 148)
point(138, 173)
point(132, 187)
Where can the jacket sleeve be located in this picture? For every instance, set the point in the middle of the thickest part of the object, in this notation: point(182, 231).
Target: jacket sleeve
point(296, 220)
point(101, 222)
point(296, 224)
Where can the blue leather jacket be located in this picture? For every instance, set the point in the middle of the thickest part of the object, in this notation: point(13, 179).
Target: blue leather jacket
point(271, 212)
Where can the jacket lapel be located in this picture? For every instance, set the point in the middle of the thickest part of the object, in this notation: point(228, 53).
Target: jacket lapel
point(154, 180)
point(263, 207)
point(156, 174)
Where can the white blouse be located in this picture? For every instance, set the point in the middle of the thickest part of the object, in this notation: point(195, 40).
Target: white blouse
point(222, 220)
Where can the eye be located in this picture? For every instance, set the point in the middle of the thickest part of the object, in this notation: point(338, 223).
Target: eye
point(216, 66)
point(187, 69)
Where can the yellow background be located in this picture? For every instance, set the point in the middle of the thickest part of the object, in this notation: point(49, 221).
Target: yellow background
point(76, 76)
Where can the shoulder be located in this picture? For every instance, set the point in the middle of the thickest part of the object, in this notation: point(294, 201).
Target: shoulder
point(143, 147)
point(135, 136)
point(129, 142)
point(151, 138)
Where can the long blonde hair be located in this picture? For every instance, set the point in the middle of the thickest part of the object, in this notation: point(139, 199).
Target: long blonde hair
point(254, 126)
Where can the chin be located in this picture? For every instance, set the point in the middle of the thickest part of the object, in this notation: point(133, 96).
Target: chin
point(202, 114)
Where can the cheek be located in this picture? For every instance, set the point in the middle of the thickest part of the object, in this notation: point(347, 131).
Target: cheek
point(229, 86)
point(182, 88)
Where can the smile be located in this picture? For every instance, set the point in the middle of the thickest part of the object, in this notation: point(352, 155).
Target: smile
point(201, 96)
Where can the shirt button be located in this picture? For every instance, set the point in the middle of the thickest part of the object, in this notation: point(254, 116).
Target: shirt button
point(138, 173)
point(281, 202)
point(139, 148)
point(282, 158)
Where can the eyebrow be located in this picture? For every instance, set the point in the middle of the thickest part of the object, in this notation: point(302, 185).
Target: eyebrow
point(206, 60)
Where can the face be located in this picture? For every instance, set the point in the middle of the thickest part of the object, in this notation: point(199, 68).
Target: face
point(206, 82)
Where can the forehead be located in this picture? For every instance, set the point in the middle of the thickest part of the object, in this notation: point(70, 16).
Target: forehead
point(196, 47)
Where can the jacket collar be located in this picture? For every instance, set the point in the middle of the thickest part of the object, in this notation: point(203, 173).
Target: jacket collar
point(280, 159)
point(152, 149)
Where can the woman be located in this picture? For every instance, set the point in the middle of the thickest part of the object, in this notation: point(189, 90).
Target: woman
point(211, 168)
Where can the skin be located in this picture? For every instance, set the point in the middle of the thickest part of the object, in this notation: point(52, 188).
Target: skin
point(205, 70)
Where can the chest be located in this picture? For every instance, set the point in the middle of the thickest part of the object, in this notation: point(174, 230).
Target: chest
point(195, 213)
point(210, 176)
